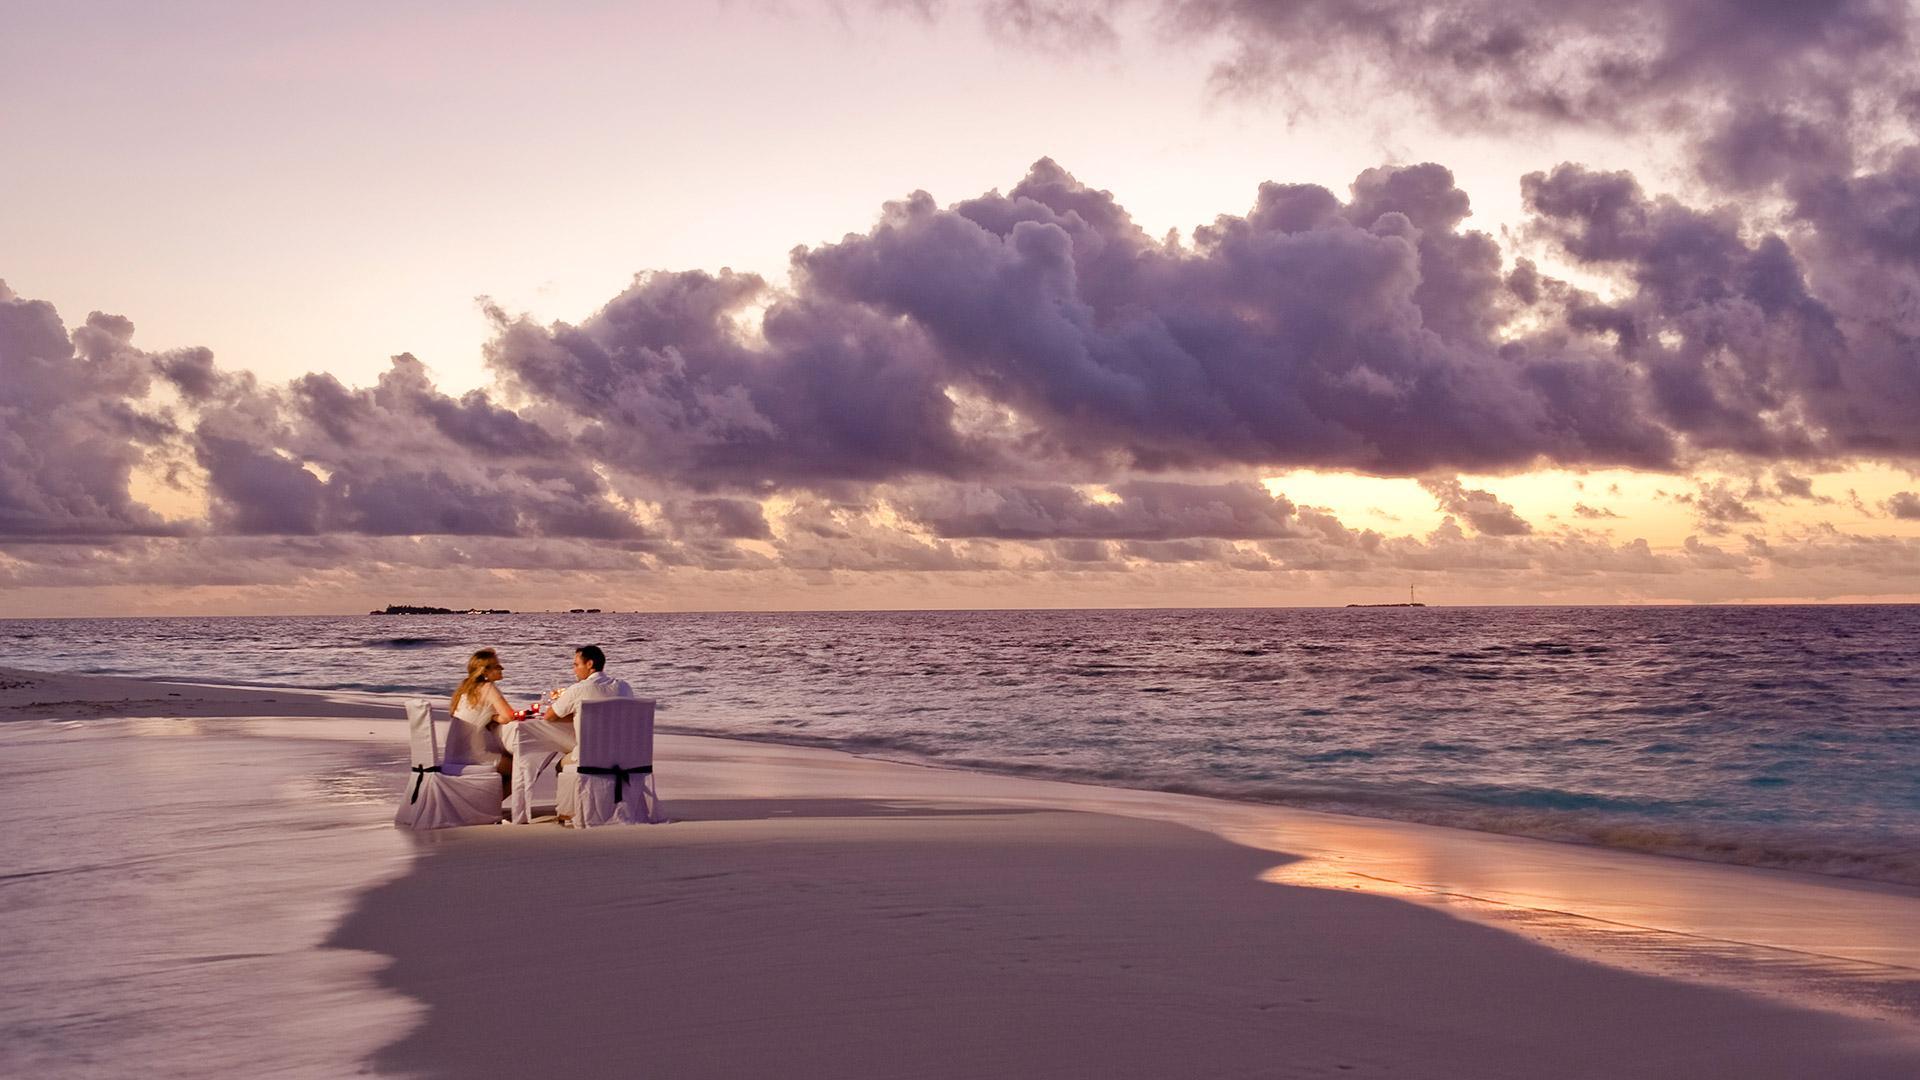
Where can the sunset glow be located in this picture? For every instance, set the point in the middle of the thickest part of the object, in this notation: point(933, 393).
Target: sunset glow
point(683, 306)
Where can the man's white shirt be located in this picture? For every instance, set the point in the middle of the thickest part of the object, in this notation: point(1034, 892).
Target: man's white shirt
point(543, 734)
point(598, 686)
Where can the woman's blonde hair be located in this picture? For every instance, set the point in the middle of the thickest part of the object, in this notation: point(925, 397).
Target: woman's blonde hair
point(477, 666)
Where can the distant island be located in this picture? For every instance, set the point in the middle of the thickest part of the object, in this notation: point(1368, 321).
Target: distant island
point(423, 609)
point(1410, 602)
point(415, 609)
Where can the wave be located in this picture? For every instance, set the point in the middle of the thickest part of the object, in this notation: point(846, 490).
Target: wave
point(406, 642)
point(1537, 813)
point(1774, 746)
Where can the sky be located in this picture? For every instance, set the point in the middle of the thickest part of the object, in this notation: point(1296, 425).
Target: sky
point(979, 303)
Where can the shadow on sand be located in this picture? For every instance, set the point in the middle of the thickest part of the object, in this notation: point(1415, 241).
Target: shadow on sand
point(854, 938)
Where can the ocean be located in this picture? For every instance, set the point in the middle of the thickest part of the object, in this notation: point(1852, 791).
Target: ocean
point(1783, 737)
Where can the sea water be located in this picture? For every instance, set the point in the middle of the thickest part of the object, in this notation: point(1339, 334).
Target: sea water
point(168, 889)
point(1771, 736)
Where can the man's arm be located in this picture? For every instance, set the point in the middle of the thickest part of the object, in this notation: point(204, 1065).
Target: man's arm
point(562, 709)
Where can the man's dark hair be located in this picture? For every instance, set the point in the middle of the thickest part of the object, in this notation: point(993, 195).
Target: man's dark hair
point(592, 655)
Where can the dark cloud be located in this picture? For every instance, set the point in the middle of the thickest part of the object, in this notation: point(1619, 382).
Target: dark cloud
point(1739, 353)
point(73, 426)
point(1042, 331)
point(665, 381)
point(398, 458)
point(730, 519)
point(1486, 513)
point(1027, 380)
point(1592, 512)
point(1568, 58)
point(1141, 510)
point(1763, 87)
point(1082, 551)
point(1013, 341)
point(1789, 486)
point(1717, 507)
point(1801, 343)
point(1177, 551)
point(1306, 333)
point(1904, 505)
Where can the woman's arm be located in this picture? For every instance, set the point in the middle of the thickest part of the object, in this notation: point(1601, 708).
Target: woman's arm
point(491, 695)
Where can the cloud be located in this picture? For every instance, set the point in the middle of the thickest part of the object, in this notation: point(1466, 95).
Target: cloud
point(1306, 333)
point(1740, 355)
point(1904, 505)
point(664, 381)
point(1140, 510)
point(1019, 340)
point(395, 459)
point(1764, 90)
point(1560, 60)
point(729, 519)
point(1788, 486)
point(1482, 510)
point(1592, 512)
point(1717, 508)
point(1782, 322)
point(1025, 382)
point(72, 425)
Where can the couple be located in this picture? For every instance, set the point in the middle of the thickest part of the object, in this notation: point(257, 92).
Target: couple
point(537, 734)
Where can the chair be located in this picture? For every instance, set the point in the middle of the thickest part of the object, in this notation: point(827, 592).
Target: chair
point(442, 794)
point(612, 781)
point(468, 744)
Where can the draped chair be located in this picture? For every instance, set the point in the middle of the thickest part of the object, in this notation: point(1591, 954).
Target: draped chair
point(441, 794)
point(610, 781)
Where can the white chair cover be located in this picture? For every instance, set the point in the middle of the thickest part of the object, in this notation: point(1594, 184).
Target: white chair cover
point(567, 792)
point(467, 743)
point(441, 794)
point(612, 781)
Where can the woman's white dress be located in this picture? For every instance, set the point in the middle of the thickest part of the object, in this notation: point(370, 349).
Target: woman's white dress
point(468, 740)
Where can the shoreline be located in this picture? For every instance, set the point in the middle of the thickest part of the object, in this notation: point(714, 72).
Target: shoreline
point(1834, 962)
point(115, 696)
point(1896, 868)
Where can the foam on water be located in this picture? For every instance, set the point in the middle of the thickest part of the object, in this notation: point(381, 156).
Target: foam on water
point(1784, 736)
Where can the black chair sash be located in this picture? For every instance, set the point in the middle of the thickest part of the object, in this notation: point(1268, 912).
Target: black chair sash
point(420, 777)
point(619, 776)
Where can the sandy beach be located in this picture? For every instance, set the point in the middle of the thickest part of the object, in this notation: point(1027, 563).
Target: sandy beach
point(203, 881)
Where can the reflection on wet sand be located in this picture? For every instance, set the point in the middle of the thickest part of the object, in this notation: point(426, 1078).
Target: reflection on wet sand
point(1818, 940)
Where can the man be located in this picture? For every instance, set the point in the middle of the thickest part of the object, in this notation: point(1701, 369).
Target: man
point(536, 742)
point(594, 684)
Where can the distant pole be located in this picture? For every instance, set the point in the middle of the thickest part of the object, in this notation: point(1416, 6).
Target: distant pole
point(1409, 592)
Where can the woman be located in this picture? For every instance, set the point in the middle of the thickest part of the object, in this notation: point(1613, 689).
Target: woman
point(479, 702)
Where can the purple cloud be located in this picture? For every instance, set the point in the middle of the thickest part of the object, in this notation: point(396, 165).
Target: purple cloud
point(1487, 514)
point(1764, 89)
point(1143, 510)
point(1717, 508)
point(71, 427)
point(1738, 352)
point(1308, 333)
